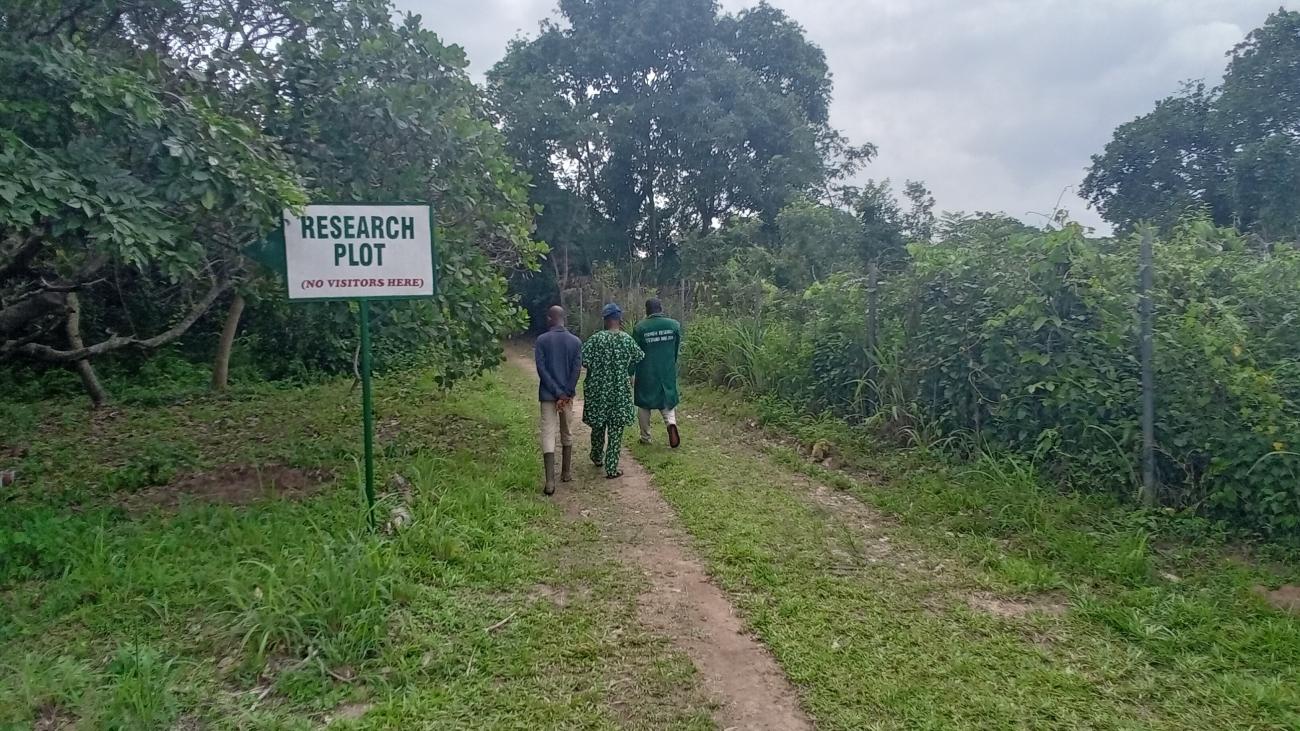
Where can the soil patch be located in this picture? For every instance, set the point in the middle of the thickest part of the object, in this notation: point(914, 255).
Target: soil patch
point(1008, 608)
point(349, 712)
point(232, 485)
point(557, 595)
point(1285, 597)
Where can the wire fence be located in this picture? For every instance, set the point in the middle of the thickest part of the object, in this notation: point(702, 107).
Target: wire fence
point(586, 296)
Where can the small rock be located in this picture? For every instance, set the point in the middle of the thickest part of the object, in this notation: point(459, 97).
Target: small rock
point(398, 518)
point(400, 485)
point(1172, 578)
point(8, 477)
point(820, 451)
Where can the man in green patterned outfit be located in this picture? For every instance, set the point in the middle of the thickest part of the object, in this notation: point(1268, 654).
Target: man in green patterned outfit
point(610, 357)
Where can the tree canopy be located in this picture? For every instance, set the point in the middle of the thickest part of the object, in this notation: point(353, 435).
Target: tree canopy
point(1231, 152)
point(646, 121)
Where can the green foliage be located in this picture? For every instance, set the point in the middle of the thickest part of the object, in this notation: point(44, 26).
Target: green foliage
point(882, 225)
point(116, 166)
point(385, 111)
point(815, 242)
point(137, 177)
point(139, 693)
point(1025, 343)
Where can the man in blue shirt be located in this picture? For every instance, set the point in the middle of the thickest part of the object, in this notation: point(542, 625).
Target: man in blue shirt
point(558, 356)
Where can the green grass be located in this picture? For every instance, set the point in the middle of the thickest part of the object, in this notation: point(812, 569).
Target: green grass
point(279, 614)
point(1159, 632)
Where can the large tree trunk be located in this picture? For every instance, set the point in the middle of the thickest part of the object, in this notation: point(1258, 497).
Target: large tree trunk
point(86, 371)
point(221, 365)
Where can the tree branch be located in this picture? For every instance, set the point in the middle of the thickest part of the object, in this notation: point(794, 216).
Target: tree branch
point(33, 307)
point(42, 302)
point(68, 18)
point(117, 342)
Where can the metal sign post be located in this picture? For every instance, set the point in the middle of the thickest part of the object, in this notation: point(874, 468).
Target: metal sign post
point(367, 414)
point(357, 252)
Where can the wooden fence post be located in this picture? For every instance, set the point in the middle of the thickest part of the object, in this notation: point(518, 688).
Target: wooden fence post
point(873, 326)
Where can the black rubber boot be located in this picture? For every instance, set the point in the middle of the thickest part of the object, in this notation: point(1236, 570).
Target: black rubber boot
point(548, 463)
point(674, 436)
point(566, 464)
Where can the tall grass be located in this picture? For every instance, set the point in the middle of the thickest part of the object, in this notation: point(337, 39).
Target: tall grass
point(323, 596)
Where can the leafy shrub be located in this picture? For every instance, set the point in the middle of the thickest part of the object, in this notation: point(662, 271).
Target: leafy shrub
point(1026, 343)
point(34, 544)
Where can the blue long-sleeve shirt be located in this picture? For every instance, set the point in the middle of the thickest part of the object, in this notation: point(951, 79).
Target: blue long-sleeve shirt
point(558, 355)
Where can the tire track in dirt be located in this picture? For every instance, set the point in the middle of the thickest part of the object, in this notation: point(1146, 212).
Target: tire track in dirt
point(681, 603)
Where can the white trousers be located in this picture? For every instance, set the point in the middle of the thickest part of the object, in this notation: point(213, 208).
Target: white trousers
point(643, 416)
point(556, 422)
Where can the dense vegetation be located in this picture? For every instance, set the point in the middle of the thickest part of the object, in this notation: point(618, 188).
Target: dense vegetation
point(643, 123)
point(146, 145)
point(1025, 343)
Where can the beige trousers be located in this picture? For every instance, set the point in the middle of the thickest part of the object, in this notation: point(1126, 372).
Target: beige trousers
point(556, 421)
point(643, 416)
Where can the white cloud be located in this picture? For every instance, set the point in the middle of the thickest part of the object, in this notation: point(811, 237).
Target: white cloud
point(995, 104)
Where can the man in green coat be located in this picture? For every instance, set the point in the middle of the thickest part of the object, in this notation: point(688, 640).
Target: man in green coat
point(660, 337)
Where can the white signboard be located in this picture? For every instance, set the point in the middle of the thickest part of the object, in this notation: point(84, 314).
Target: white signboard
point(359, 251)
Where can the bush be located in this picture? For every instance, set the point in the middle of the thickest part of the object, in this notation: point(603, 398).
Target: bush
point(1026, 343)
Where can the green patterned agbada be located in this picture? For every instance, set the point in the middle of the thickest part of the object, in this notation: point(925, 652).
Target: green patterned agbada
point(610, 358)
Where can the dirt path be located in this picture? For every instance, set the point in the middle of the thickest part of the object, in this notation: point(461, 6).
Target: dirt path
point(737, 672)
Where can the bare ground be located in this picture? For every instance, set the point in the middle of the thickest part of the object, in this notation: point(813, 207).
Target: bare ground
point(231, 485)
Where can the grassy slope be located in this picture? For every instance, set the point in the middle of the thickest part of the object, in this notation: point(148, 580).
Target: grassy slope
point(285, 614)
point(1165, 639)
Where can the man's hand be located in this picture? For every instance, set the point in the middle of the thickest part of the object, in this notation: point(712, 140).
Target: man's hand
point(562, 403)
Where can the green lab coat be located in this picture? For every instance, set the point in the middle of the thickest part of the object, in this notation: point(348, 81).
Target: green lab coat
point(660, 337)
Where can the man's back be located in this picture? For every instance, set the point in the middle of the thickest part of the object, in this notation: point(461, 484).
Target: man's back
point(660, 337)
point(558, 354)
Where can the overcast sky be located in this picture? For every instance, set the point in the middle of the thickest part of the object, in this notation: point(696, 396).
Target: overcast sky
point(994, 104)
